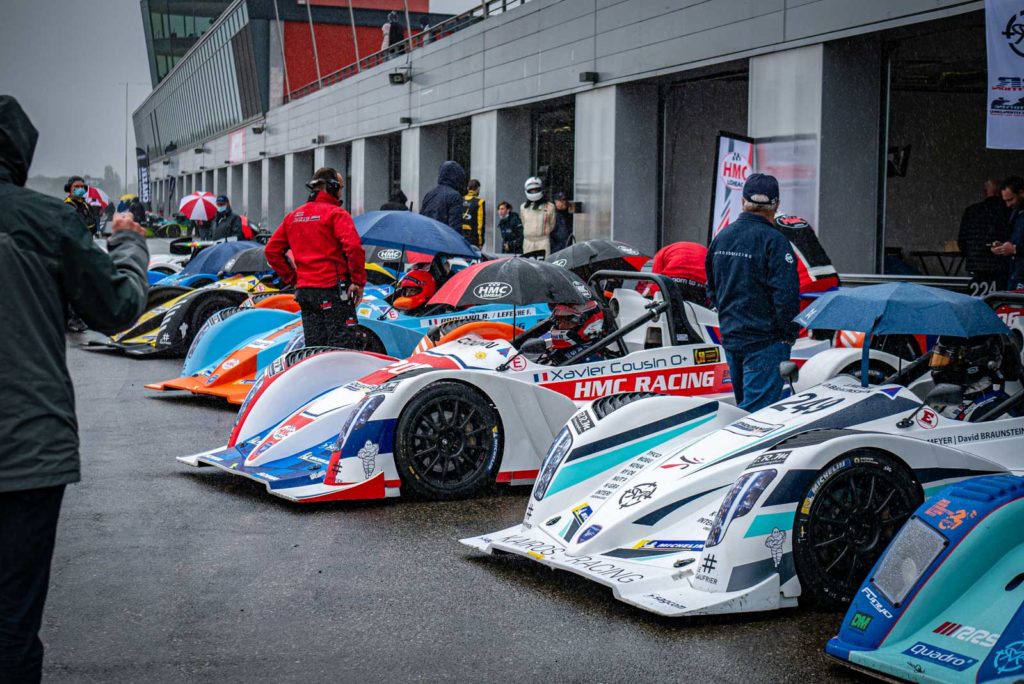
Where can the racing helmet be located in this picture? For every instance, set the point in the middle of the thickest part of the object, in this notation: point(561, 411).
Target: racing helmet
point(576, 324)
point(966, 361)
point(534, 188)
point(414, 290)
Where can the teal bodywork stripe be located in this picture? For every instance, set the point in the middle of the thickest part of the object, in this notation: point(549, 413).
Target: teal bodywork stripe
point(574, 473)
point(764, 524)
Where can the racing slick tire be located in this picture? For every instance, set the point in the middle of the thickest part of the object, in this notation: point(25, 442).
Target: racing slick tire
point(361, 338)
point(878, 371)
point(202, 311)
point(846, 519)
point(161, 294)
point(448, 442)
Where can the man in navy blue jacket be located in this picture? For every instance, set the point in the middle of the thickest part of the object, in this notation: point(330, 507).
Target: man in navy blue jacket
point(752, 279)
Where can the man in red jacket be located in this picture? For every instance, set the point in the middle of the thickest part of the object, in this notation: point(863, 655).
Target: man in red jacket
point(329, 270)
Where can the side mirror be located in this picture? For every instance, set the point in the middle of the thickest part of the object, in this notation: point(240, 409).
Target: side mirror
point(945, 394)
point(789, 371)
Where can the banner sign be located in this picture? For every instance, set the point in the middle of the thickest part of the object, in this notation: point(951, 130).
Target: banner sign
point(734, 161)
point(236, 146)
point(1004, 34)
point(142, 159)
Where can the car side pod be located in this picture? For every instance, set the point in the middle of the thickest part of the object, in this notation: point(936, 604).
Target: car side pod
point(945, 602)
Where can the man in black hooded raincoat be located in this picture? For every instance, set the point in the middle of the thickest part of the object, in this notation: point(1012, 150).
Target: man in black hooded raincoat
point(47, 261)
point(444, 203)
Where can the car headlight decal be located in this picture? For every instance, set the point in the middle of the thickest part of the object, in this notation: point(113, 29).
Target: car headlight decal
point(297, 342)
point(360, 416)
point(738, 502)
point(556, 452)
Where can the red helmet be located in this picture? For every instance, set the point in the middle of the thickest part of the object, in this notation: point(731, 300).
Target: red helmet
point(414, 290)
point(576, 324)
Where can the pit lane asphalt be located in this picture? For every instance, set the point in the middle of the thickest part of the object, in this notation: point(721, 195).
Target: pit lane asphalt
point(165, 573)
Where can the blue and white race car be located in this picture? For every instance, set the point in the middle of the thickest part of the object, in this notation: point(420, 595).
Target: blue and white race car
point(473, 410)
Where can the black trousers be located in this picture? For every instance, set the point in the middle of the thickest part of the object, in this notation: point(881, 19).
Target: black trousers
point(325, 316)
point(28, 526)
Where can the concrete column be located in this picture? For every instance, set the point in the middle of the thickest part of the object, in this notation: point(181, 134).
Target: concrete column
point(252, 181)
point(500, 157)
point(273, 184)
point(849, 186)
point(220, 181)
point(264, 180)
point(234, 188)
point(208, 182)
point(369, 169)
point(424, 149)
point(615, 179)
point(319, 154)
point(336, 157)
point(298, 169)
point(828, 162)
point(785, 102)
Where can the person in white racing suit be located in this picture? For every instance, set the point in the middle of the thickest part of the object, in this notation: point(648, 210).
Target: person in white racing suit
point(982, 366)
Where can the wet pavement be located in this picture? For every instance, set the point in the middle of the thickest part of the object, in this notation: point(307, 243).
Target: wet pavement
point(165, 573)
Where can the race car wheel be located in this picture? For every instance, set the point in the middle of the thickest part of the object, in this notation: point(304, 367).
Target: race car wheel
point(202, 312)
point(448, 442)
point(847, 517)
point(878, 371)
point(361, 338)
point(903, 346)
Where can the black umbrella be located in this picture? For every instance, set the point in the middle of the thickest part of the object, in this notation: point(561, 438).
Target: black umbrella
point(514, 281)
point(588, 257)
point(250, 261)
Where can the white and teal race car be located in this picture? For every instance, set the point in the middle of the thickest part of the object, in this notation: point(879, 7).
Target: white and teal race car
point(687, 506)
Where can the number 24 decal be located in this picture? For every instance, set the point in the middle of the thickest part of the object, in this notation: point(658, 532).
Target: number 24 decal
point(808, 402)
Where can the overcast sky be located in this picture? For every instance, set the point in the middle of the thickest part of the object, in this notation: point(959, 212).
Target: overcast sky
point(67, 61)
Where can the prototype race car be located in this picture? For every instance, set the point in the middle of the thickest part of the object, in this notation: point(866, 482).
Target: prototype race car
point(945, 603)
point(475, 409)
point(215, 366)
point(688, 507)
point(174, 314)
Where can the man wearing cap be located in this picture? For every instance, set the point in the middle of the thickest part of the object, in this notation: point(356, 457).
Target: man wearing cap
point(753, 282)
point(226, 224)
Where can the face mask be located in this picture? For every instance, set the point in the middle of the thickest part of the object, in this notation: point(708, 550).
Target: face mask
point(221, 210)
point(79, 192)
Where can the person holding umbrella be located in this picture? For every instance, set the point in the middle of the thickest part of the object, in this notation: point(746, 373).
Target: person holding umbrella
point(329, 270)
point(752, 280)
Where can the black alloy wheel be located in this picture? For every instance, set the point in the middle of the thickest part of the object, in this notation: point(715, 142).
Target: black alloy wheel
point(846, 519)
point(448, 442)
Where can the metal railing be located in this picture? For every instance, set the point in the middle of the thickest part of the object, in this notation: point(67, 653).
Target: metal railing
point(459, 22)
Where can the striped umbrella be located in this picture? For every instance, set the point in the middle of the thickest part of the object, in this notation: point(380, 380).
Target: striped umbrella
point(97, 197)
point(199, 206)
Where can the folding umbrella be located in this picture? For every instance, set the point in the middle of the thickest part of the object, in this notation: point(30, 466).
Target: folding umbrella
point(199, 206)
point(97, 197)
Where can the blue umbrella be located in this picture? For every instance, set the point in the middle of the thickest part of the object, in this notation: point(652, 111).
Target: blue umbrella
point(212, 259)
point(901, 308)
point(406, 230)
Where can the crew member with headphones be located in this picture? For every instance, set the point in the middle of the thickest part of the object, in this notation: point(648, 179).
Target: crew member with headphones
point(76, 189)
point(329, 270)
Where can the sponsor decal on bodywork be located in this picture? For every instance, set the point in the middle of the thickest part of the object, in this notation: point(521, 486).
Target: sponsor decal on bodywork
point(939, 656)
point(595, 566)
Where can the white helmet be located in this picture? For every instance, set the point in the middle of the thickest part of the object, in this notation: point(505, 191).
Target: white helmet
point(534, 188)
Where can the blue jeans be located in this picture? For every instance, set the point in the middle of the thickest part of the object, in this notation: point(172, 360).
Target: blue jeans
point(755, 375)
